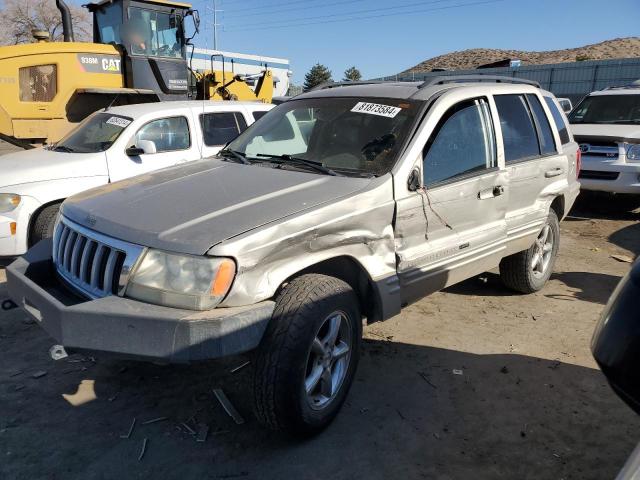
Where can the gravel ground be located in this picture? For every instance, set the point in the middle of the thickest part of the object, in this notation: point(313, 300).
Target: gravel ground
point(530, 402)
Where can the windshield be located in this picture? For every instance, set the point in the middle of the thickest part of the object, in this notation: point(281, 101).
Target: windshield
point(620, 109)
point(343, 134)
point(96, 134)
point(109, 20)
point(153, 33)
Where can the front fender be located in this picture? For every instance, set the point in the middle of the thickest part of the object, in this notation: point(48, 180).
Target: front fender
point(359, 227)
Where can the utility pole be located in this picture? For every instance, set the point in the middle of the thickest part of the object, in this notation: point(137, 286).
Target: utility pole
point(215, 25)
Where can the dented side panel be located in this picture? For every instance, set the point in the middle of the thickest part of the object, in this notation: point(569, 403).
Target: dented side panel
point(358, 226)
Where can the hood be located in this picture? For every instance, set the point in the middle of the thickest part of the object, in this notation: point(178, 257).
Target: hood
point(189, 208)
point(39, 164)
point(614, 133)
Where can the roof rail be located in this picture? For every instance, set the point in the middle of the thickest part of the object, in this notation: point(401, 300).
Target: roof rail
point(635, 84)
point(327, 85)
point(443, 79)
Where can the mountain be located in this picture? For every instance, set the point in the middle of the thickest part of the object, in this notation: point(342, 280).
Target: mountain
point(469, 59)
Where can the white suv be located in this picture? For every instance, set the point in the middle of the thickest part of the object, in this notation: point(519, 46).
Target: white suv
point(108, 146)
point(606, 124)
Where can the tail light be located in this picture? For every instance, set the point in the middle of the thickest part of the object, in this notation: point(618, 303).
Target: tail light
point(578, 162)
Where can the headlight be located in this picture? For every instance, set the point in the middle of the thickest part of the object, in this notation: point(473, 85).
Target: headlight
point(181, 281)
point(633, 152)
point(9, 201)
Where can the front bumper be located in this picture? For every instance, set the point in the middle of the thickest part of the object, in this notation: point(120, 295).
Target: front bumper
point(610, 176)
point(129, 327)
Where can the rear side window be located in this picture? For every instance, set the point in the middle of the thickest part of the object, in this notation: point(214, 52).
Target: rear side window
point(518, 130)
point(221, 128)
point(547, 144)
point(462, 144)
point(257, 115)
point(559, 119)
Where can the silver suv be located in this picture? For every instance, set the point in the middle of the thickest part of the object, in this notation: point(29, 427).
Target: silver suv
point(345, 203)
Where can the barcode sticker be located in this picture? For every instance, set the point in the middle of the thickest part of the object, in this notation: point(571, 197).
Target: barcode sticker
point(376, 109)
point(119, 122)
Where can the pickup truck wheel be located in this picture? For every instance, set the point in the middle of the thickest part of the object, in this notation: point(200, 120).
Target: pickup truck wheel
point(308, 356)
point(529, 270)
point(43, 224)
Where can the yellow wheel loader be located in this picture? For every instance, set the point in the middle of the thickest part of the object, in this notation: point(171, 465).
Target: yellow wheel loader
point(139, 54)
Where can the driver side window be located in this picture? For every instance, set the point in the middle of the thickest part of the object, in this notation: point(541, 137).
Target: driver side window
point(462, 144)
point(168, 134)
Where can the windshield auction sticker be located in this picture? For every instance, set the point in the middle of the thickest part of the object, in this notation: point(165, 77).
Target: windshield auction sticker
point(118, 122)
point(376, 109)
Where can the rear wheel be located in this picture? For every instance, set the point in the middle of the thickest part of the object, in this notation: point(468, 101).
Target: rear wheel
point(529, 270)
point(308, 357)
point(43, 224)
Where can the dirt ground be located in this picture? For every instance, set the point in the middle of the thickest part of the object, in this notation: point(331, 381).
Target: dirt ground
point(530, 402)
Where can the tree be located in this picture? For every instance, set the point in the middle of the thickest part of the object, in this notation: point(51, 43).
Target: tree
point(317, 75)
point(18, 18)
point(352, 74)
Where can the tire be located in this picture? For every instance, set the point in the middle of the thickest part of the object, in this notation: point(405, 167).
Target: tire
point(517, 271)
point(42, 226)
point(289, 356)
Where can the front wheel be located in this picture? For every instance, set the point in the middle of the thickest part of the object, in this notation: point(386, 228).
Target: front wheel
point(308, 357)
point(43, 224)
point(529, 270)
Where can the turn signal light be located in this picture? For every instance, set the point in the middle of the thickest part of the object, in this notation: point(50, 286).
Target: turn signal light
point(222, 282)
point(578, 162)
point(13, 227)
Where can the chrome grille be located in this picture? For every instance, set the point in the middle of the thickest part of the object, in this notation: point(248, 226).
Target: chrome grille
point(92, 263)
point(602, 150)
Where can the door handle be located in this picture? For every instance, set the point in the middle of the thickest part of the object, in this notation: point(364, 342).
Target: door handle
point(491, 192)
point(554, 172)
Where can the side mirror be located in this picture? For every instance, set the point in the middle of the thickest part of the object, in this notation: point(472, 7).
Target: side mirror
point(413, 182)
point(134, 151)
point(144, 147)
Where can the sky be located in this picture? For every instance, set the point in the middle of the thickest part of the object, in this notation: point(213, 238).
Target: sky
point(383, 38)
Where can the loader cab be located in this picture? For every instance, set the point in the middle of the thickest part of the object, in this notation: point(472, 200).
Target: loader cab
point(151, 36)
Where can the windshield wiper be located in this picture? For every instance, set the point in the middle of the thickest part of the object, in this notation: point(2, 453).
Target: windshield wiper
point(232, 154)
point(63, 148)
point(299, 161)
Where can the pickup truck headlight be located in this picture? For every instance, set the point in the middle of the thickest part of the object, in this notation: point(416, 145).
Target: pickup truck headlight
point(9, 201)
point(181, 281)
point(633, 152)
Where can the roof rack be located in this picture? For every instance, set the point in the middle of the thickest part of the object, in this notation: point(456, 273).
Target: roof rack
point(443, 79)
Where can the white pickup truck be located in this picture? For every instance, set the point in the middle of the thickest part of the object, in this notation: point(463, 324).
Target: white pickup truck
point(108, 146)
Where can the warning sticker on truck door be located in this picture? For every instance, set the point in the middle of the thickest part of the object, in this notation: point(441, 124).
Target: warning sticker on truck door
point(376, 109)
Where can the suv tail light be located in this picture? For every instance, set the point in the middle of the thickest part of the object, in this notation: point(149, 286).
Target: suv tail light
point(578, 162)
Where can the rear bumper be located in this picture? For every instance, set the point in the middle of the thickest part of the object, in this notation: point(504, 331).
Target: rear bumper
point(129, 327)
